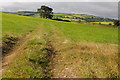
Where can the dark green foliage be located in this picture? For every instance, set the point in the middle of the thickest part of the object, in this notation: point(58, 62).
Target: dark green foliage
point(79, 21)
point(62, 20)
point(109, 24)
point(116, 23)
point(45, 12)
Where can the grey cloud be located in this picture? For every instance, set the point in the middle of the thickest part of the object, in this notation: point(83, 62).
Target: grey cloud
point(103, 9)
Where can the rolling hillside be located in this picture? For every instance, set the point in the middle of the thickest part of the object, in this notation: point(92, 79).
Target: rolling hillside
point(74, 30)
point(16, 24)
point(56, 49)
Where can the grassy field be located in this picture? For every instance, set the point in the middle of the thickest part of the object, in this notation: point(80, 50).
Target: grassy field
point(87, 33)
point(61, 49)
point(16, 24)
point(80, 32)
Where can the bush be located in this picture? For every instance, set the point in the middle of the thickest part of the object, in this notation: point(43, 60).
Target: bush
point(116, 23)
point(109, 24)
point(99, 23)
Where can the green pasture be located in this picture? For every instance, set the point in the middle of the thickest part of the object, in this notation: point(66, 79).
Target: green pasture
point(16, 24)
point(77, 32)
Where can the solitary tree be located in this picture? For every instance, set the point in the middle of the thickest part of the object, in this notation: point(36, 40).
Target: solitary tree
point(45, 12)
point(116, 23)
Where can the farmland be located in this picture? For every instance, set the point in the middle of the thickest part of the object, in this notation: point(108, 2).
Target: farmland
point(89, 33)
point(71, 17)
point(81, 17)
point(56, 49)
point(13, 25)
point(73, 30)
point(105, 23)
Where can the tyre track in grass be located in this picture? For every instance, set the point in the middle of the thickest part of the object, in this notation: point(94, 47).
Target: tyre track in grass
point(16, 51)
point(60, 43)
point(82, 59)
point(73, 60)
point(38, 47)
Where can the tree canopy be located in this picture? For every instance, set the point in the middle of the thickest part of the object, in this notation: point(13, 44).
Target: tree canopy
point(45, 12)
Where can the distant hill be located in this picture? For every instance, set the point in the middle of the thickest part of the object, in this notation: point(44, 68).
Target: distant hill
point(24, 13)
point(82, 17)
point(69, 16)
point(79, 17)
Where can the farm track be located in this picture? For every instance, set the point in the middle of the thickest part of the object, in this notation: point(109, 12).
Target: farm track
point(67, 61)
point(60, 43)
point(15, 52)
point(19, 50)
point(74, 60)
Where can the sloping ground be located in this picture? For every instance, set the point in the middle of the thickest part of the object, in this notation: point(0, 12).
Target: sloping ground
point(19, 25)
point(77, 32)
point(16, 50)
point(63, 50)
point(82, 59)
point(30, 59)
point(31, 52)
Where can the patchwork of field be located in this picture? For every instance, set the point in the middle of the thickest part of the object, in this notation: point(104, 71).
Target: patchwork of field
point(78, 17)
point(57, 49)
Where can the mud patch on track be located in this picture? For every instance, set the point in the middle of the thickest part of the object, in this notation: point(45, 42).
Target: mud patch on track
point(8, 42)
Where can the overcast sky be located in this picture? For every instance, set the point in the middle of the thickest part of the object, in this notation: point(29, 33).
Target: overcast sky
point(103, 9)
point(59, 0)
